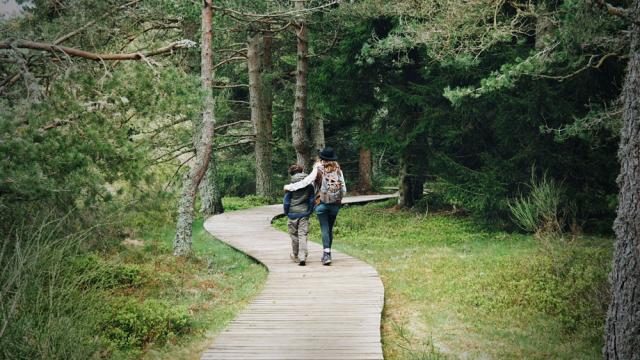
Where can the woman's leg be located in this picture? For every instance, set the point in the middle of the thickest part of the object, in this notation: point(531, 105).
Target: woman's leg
point(333, 214)
point(323, 217)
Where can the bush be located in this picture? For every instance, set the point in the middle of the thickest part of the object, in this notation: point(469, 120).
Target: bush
point(572, 287)
point(130, 324)
point(107, 275)
point(541, 212)
point(239, 203)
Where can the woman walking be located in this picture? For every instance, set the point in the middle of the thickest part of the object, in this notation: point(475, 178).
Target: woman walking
point(330, 187)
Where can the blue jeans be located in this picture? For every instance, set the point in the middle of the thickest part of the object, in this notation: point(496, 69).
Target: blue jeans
point(327, 214)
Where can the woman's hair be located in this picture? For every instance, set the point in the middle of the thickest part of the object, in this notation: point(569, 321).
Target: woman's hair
point(330, 166)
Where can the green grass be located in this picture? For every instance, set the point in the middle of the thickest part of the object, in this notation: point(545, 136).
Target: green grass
point(232, 203)
point(456, 289)
point(208, 289)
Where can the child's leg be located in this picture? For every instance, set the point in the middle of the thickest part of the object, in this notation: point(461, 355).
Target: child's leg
point(303, 231)
point(293, 232)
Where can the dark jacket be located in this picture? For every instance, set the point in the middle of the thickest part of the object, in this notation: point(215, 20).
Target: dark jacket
point(299, 203)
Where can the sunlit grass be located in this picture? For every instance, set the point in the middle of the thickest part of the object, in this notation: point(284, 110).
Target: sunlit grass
point(456, 289)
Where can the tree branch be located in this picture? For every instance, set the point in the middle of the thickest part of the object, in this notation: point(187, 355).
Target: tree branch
point(90, 23)
point(613, 10)
point(231, 124)
point(228, 60)
point(25, 44)
point(230, 86)
point(241, 142)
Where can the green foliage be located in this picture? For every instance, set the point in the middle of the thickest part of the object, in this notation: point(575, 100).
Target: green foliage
point(464, 288)
point(130, 324)
point(239, 203)
point(105, 275)
point(571, 287)
point(48, 307)
point(541, 211)
point(237, 177)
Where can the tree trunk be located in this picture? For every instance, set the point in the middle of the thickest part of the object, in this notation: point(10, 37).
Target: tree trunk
point(191, 181)
point(317, 134)
point(413, 165)
point(258, 118)
point(411, 182)
point(210, 191)
point(544, 25)
point(623, 317)
point(299, 125)
point(267, 85)
point(364, 170)
point(365, 164)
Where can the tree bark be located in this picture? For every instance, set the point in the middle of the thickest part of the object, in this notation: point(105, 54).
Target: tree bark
point(411, 181)
point(544, 26)
point(623, 316)
point(258, 118)
point(413, 165)
point(364, 171)
point(202, 144)
point(365, 164)
point(299, 125)
point(317, 134)
point(210, 197)
point(267, 83)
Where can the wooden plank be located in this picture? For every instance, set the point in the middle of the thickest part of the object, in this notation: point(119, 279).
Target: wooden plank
point(310, 312)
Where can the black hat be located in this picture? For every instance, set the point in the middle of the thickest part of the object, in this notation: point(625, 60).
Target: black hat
point(327, 154)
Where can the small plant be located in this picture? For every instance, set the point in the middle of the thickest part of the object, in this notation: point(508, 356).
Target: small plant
point(540, 212)
point(107, 275)
point(130, 324)
point(412, 348)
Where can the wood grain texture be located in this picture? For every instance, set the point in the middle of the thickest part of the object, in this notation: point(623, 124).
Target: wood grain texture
point(303, 312)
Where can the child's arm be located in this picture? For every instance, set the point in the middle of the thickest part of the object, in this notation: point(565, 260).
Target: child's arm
point(287, 202)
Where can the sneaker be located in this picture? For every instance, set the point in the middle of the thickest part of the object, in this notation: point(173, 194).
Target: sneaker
point(293, 257)
point(302, 263)
point(326, 258)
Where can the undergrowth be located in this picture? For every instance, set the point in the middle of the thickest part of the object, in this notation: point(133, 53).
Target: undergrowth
point(460, 289)
point(125, 299)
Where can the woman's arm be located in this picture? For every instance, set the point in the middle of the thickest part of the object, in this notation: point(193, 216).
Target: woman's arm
point(344, 184)
point(304, 182)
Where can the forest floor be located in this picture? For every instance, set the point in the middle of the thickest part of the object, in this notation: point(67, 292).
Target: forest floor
point(209, 288)
point(454, 288)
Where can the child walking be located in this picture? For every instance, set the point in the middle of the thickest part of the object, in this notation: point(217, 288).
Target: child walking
point(329, 181)
point(298, 205)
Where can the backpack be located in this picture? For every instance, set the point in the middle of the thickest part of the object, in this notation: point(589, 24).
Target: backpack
point(331, 186)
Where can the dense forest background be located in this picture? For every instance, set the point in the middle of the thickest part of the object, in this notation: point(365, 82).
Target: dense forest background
point(473, 109)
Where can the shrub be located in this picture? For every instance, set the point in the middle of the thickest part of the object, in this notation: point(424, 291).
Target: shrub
point(107, 275)
point(48, 308)
point(239, 203)
point(540, 212)
point(572, 287)
point(130, 324)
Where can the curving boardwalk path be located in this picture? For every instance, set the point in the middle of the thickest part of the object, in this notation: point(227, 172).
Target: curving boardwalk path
point(303, 312)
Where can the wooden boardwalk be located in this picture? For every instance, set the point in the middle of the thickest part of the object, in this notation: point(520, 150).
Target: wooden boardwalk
point(303, 312)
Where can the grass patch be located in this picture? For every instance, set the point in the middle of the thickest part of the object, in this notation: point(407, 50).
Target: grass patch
point(454, 288)
point(232, 203)
point(170, 308)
